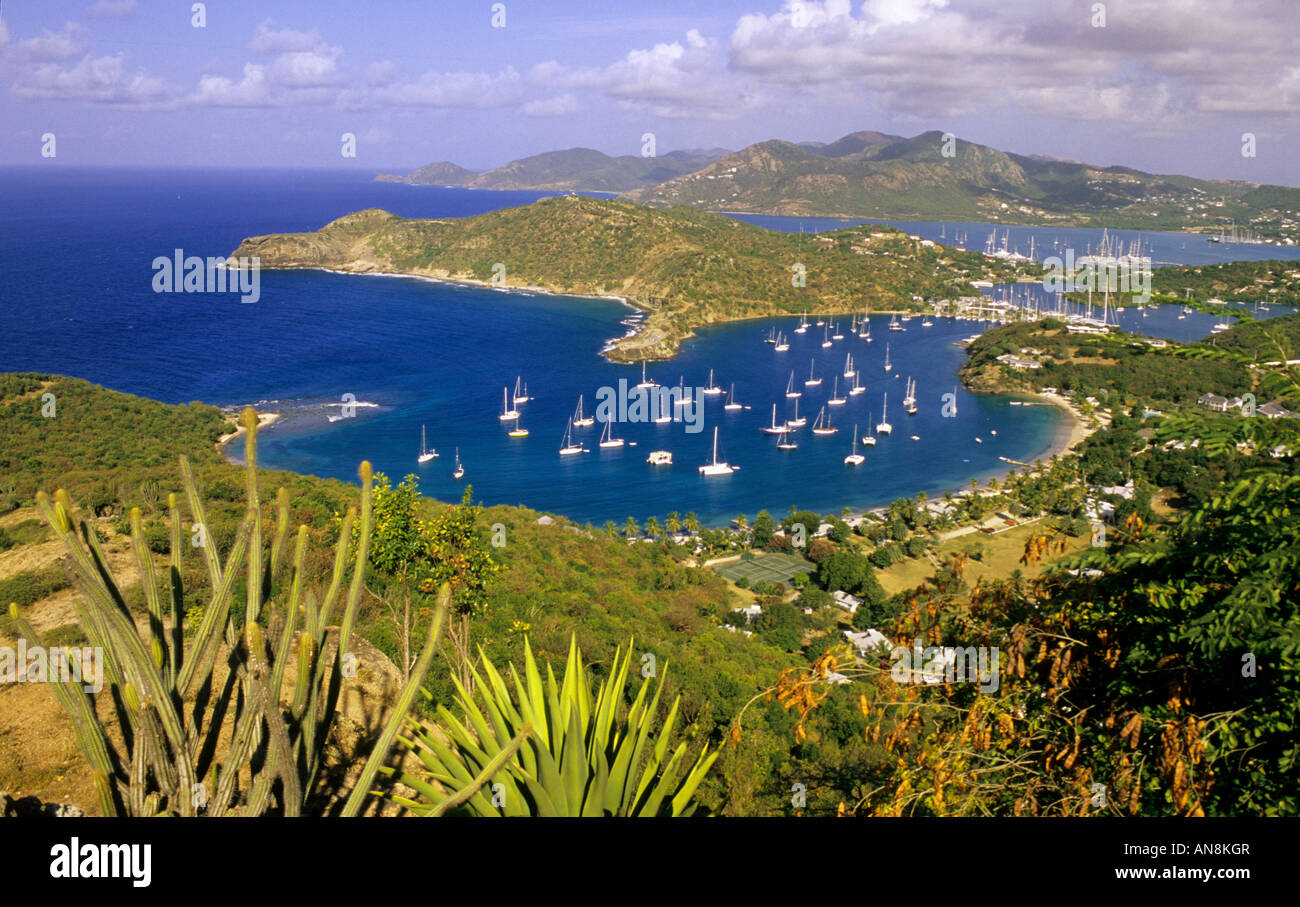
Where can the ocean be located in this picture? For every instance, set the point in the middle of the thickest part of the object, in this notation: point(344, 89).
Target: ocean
point(358, 364)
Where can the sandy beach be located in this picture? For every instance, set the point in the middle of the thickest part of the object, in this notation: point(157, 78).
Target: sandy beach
point(263, 420)
point(1075, 428)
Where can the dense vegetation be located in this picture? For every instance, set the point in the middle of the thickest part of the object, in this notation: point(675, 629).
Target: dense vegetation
point(1241, 281)
point(687, 268)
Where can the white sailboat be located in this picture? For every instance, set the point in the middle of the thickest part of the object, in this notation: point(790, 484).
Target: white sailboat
point(784, 442)
point(521, 396)
point(823, 424)
point(803, 324)
point(645, 382)
point(888, 366)
point(425, 453)
point(813, 380)
point(867, 334)
point(870, 439)
point(579, 420)
point(883, 427)
point(893, 323)
point(731, 404)
point(797, 421)
point(789, 388)
point(712, 389)
point(782, 345)
point(855, 458)
point(857, 388)
point(826, 337)
point(607, 438)
point(835, 398)
point(773, 429)
point(683, 398)
point(507, 413)
point(717, 467)
point(909, 401)
point(569, 447)
point(850, 369)
point(459, 471)
point(837, 335)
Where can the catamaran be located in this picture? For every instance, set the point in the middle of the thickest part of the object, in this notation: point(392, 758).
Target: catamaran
point(660, 458)
point(789, 388)
point(823, 424)
point(517, 432)
point(812, 381)
point(731, 405)
point(784, 443)
point(579, 420)
point(569, 446)
point(459, 471)
point(507, 413)
point(773, 429)
point(855, 458)
point(425, 453)
point(883, 427)
point(607, 438)
point(869, 440)
point(712, 389)
point(716, 467)
point(888, 366)
point(835, 398)
point(521, 396)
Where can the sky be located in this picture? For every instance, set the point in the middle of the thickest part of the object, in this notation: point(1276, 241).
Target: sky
point(1169, 86)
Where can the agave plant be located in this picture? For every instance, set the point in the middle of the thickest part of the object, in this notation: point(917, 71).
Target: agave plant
point(175, 756)
point(578, 759)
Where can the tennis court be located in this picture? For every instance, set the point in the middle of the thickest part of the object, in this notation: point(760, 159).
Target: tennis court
point(769, 568)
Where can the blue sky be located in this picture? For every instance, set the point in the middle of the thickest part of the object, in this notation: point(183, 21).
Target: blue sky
point(1163, 85)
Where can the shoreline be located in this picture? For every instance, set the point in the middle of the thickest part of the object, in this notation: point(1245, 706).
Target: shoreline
point(264, 420)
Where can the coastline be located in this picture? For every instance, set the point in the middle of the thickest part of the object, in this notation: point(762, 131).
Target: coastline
point(264, 420)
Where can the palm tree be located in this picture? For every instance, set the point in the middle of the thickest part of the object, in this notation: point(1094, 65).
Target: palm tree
point(652, 528)
point(673, 524)
point(692, 523)
point(631, 529)
point(611, 529)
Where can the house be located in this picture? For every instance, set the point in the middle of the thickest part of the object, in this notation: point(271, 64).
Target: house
point(1020, 362)
point(849, 603)
point(751, 612)
point(1275, 410)
point(868, 642)
point(1214, 402)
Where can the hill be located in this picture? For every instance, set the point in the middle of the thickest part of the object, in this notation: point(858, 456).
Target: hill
point(686, 268)
point(868, 174)
point(561, 171)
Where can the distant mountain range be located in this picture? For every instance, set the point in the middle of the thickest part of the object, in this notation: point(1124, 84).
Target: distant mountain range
point(575, 169)
point(877, 175)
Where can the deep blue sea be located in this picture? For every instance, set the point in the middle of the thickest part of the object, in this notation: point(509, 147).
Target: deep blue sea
point(76, 291)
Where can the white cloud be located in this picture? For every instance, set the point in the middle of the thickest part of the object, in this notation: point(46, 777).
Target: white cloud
point(102, 80)
point(307, 69)
point(69, 44)
point(268, 40)
point(558, 106)
point(472, 90)
point(251, 91)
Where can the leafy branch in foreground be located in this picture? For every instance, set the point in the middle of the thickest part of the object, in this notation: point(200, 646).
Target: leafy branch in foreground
point(576, 757)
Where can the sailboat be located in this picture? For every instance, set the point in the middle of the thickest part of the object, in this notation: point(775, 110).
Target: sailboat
point(888, 366)
point(835, 398)
point(856, 388)
point(823, 424)
point(773, 429)
point(826, 337)
point(789, 388)
point(425, 453)
point(883, 427)
point(683, 398)
point(517, 432)
point(926, 322)
point(712, 389)
point(579, 420)
point(869, 440)
point(909, 401)
point(797, 421)
point(850, 370)
point(607, 438)
point(855, 458)
point(803, 324)
point(645, 382)
point(782, 345)
point(812, 381)
point(507, 413)
point(771, 336)
point(837, 335)
point(893, 323)
point(569, 447)
point(716, 467)
point(521, 396)
point(731, 404)
point(784, 443)
point(459, 471)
